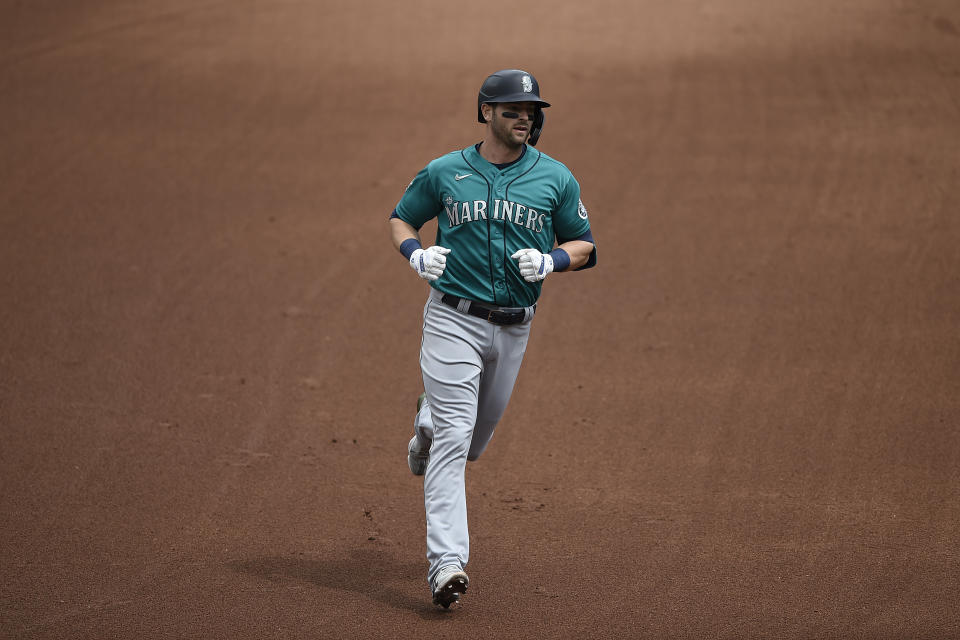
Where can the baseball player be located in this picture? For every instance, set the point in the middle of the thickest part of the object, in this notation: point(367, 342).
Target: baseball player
point(508, 216)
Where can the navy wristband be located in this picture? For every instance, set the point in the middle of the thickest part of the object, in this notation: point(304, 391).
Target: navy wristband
point(408, 246)
point(561, 259)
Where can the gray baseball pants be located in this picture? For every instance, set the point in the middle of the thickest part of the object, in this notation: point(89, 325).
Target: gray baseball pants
point(469, 367)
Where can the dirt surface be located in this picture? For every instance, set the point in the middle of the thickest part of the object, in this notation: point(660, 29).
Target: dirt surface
point(742, 424)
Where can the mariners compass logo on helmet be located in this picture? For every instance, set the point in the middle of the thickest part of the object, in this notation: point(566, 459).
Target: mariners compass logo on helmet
point(526, 83)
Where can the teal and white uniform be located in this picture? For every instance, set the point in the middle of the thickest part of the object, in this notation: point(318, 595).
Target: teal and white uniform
point(469, 361)
point(486, 214)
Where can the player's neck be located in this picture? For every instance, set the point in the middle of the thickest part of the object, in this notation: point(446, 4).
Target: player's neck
point(496, 152)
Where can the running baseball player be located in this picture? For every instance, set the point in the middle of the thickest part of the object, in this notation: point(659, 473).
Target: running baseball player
point(508, 216)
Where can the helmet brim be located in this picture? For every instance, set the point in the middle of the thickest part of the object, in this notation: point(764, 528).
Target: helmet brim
point(519, 97)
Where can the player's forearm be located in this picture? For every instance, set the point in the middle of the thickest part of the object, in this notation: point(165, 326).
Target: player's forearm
point(579, 252)
point(401, 231)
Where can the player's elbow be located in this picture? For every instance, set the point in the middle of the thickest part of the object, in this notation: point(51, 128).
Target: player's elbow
point(589, 259)
point(580, 252)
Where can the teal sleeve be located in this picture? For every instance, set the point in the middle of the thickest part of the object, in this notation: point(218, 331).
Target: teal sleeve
point(420, 203)
point(570, 218)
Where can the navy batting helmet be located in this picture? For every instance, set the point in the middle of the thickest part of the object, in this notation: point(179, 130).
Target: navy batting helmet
point(513, 85)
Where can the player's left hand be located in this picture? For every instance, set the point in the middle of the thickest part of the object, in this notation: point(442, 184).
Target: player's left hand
point(533, 265)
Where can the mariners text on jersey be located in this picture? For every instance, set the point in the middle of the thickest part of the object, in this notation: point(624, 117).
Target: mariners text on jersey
point(460, 212)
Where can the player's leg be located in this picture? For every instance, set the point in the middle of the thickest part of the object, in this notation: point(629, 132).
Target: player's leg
point(451, 365)
point(500, 369)
point(418, 449)
point(423, 422)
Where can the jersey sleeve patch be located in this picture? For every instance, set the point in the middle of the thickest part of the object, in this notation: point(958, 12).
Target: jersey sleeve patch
point(581, 210)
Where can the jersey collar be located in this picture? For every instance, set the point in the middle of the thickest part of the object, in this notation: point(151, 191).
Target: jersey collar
point(478, 162)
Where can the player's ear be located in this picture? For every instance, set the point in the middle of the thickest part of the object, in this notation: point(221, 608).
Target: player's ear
point(487, 110)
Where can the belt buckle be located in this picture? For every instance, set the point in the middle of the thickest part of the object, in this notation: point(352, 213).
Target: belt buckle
point(490, 316)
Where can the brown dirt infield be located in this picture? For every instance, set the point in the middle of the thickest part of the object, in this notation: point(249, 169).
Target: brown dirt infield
point(742, 424)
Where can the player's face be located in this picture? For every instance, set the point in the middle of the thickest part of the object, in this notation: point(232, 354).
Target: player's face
point(513, 131)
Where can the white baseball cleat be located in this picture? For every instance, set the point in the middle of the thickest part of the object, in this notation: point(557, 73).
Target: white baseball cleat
point(450, 582)
point(417, 455)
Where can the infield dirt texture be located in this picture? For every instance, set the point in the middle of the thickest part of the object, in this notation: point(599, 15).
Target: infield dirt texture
point(742, 424)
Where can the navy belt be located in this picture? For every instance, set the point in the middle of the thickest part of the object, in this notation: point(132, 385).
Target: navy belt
point(494, 315)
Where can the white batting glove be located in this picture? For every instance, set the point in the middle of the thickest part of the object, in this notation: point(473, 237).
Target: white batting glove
point(533, 265)
point(429, 263)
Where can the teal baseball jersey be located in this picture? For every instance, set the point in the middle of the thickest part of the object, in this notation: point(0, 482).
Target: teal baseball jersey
point(485, 215)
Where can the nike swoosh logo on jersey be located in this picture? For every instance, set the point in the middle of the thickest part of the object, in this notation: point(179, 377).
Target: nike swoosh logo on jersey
point(459, 177)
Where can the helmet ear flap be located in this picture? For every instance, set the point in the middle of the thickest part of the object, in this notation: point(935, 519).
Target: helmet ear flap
point(537, 127)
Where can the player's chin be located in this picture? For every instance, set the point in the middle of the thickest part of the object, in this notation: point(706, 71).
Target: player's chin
point(520, 135)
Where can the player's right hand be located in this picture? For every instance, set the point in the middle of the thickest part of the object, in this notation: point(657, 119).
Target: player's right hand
point(429, 263)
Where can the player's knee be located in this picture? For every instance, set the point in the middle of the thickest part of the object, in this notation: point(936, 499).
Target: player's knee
point(475, 452)
point(482, 434)
point(453, 450)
